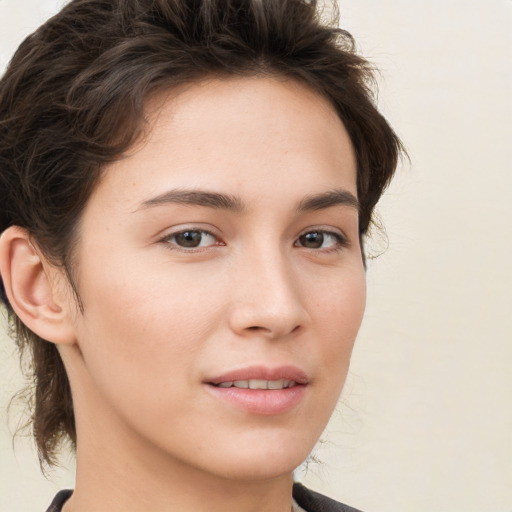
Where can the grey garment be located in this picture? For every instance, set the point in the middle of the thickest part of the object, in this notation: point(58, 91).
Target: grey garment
point(304, 500)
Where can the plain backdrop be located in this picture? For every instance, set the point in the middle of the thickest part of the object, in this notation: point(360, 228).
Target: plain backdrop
point(425, 423)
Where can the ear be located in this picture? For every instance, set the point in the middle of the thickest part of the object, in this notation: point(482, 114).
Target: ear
point(35, 289)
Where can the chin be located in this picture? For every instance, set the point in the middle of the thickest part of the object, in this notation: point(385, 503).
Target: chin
point(270, 469)
point(263, 461)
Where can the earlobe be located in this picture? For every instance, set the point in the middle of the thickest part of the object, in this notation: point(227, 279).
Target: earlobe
point(33, 288)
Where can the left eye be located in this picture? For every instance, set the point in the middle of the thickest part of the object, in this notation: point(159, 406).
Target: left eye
point(320, 240)
point(192, 239)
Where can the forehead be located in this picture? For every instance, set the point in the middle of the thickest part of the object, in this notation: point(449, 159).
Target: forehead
point(256, 108)
point(253, 136)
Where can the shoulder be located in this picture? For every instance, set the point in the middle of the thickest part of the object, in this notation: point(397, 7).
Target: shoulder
point(314, 502)
point(59, 500)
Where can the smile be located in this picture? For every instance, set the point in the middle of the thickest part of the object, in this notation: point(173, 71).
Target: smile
point(258, 384)
point(261, 390)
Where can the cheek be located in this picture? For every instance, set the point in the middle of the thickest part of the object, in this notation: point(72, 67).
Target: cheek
point(140, 336)
point(147, 301)
point(337, 315)
point(339, 306)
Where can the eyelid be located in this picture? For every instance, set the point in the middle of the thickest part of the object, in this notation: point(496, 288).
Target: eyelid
point(188, 226)
point(183, 228)
point(343, 240)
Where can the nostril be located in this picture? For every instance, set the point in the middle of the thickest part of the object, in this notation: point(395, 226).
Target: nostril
point(267, 318)
point(273, 332)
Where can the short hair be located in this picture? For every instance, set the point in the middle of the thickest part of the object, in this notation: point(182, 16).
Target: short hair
point(72, 100)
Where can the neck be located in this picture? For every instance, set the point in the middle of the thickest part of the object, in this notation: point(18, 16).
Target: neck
point(115, 487)
point(118, 471)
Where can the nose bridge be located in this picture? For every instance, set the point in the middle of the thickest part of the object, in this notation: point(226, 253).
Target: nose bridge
point(268, 298)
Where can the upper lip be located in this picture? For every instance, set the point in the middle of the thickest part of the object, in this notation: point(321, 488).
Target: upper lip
point(263, 373)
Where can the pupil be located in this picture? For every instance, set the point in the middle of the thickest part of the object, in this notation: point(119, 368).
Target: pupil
point(312, 240)
point(189, 239)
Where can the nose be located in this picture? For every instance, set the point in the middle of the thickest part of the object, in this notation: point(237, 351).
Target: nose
point(267, 300)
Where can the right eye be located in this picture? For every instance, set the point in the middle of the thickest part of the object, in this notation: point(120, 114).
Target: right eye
point(191, 239)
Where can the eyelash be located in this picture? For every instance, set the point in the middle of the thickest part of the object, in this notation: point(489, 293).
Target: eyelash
point(168, 240)
point(341, 241)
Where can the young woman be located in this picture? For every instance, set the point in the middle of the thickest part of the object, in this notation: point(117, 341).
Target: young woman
point(185, 187)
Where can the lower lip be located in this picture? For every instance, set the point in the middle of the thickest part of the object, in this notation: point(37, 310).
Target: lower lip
point(261, 401)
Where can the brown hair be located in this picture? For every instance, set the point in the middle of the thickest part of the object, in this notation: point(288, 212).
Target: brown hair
point(72, 100)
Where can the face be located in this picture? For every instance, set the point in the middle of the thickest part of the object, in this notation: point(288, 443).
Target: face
point(220, 258)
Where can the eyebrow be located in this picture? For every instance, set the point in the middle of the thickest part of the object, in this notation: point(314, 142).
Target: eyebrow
point(214, 200)
point(327, 199)
point(234, 203)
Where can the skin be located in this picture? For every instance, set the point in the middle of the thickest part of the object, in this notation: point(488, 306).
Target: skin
point(161, 319)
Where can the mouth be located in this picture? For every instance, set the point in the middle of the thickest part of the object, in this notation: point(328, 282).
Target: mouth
point(261, 377)
point(258, 384)
point(260, 390)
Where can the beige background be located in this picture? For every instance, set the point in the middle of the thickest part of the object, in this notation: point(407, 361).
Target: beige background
point(426, 419)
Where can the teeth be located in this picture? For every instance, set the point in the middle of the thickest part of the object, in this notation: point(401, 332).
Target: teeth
point(258, 384)
point(275, 384)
